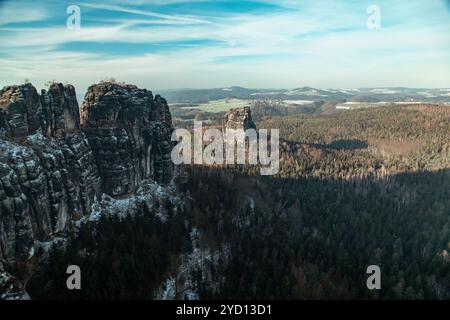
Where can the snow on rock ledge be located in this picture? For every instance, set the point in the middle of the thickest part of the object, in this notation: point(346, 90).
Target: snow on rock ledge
point(149, 195)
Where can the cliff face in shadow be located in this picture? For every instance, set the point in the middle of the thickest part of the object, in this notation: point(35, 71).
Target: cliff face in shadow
point(53, 167)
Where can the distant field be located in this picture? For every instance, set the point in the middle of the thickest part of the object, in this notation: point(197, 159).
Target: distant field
point(220, 105)
point(227, 104)
point(301, 102)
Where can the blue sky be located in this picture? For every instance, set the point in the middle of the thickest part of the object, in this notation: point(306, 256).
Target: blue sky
point(167, 44)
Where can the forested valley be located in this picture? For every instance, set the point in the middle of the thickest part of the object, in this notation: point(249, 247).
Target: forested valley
point(358, 188)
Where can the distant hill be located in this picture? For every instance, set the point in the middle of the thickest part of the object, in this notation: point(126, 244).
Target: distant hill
point(308, 93)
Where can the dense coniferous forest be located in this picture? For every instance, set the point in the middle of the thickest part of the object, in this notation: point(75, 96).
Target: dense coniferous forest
point(320, 235)
point(120, 258)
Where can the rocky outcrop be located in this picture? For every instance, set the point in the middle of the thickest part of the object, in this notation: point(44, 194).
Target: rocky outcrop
point(53, 167)
point(20, 110)
point(60, 110)
point(129, 131)
point(48, 175)
point(23, 111)
point(239, 118)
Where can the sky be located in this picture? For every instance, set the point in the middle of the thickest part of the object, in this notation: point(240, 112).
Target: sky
point(169, 44)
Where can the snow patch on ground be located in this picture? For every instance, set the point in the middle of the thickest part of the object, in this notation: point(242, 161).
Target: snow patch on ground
point(14, 151)
point(384, 91)
point(298, 101)
point(200, 258)
point(10, 287)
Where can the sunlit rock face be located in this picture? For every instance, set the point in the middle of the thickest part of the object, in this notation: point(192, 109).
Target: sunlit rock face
point(129, 131)
point(239, 118)
point(60, 110)
point(20, 110)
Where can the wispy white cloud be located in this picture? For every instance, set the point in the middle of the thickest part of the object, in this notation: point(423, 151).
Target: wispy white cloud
point(15, 12)
point(182, 18)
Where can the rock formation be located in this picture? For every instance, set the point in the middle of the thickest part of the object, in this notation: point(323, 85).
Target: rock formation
point(129, 131)
point(52, 167)
point(20, 110)
point(239, 118)
point(48, 175)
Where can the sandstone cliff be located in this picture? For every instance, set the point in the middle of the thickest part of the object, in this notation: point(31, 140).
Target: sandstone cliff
point(129, 131)
point(53, 167)
point(239, 118)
